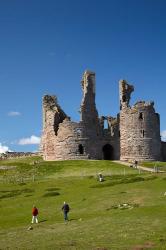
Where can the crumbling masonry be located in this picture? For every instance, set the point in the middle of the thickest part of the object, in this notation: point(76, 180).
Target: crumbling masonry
point(133, 135)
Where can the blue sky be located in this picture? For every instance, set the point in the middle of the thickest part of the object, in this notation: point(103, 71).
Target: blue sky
point(45, 46)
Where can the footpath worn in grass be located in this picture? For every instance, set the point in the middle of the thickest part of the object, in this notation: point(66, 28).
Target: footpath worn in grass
point(156, 165)
point(126, 211)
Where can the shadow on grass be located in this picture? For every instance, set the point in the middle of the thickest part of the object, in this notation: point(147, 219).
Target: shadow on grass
point(13, 193)
point(50, 194)
point(116, 180)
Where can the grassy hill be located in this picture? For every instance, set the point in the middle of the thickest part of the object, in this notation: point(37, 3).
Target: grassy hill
point(99, 218)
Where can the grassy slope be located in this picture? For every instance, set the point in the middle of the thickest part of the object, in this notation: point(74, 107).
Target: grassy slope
point(94, 223)
point(160, 165)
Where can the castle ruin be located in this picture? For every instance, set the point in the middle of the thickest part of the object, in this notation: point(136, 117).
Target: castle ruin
point(133, 135)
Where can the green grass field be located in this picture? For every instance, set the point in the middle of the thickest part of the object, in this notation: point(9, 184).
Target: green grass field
point(99, 220)
point(157, 164)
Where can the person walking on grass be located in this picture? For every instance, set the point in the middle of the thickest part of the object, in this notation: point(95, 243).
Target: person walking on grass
point(65, 210)
point(34, 214)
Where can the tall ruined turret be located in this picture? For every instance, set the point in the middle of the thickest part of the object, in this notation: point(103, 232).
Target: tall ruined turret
point(139, 128)
point(88, 111)
point(125, 91)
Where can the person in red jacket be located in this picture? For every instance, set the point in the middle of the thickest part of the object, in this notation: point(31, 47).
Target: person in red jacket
point(34, 214)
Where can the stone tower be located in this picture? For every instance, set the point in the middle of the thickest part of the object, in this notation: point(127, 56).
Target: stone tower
point(89, 117)
point(88, 111)
point(139, 128)
point(88, 107)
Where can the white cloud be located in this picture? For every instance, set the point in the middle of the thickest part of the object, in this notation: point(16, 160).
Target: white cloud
point(163, 135)
point(14, 113)
point(4, 149)
point(30, 140)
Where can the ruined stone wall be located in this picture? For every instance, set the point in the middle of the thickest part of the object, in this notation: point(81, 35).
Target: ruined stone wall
point(63, 139)
point(133, 135)
point(66, 144)
point(53, 115)
point(11, 155)
point(163, 150)
point(111, 136)
point(139, 131)
point(71, 136)
point(115, 136)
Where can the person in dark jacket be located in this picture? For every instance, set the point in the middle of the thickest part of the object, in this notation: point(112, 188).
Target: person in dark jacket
point(34, 214)
point(65, 209)
point(135, 163)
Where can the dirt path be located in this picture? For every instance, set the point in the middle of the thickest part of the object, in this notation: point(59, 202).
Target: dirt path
point(151, 170)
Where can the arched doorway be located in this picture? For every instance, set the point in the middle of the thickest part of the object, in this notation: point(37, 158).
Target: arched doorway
point(107, 152)
point(81, 149)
